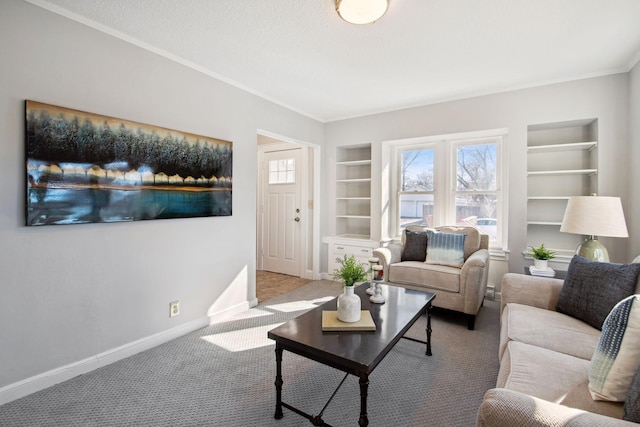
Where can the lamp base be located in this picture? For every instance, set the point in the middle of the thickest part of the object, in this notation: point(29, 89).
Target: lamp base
point(593, 250)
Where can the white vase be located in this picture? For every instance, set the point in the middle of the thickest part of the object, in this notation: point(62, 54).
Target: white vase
point(349, 305)
point(541, 264)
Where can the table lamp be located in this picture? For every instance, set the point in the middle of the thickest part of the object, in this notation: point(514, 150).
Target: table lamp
point(594, 216)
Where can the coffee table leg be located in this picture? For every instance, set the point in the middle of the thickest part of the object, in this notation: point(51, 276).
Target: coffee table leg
point(429, 330)
point(278, 415)
point(364, 389)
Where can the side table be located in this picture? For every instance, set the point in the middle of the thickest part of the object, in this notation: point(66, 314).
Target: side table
point(560, 274)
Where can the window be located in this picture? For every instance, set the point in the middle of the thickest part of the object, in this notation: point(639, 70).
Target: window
point(282, 171)
point(456, 179)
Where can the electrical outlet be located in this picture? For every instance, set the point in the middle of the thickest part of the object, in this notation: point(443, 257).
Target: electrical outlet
point(174, 308)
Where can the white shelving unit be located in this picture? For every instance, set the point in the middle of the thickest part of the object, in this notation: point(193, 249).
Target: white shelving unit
point(353, 206)
point(562, 161)
point(353, 192)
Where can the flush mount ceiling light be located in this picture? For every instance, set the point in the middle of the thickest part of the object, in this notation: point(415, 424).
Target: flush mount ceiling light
point(361, 11)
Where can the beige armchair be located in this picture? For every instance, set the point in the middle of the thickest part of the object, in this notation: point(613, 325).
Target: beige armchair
point(457, 288)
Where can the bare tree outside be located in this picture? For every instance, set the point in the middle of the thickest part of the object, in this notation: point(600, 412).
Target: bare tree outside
point(417, 170)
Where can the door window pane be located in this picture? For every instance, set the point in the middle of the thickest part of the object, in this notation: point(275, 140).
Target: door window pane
point(282, 171)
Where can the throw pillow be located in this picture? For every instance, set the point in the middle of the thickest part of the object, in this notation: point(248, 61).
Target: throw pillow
point(445, 249)
point(632, 402)
point(591, 289)
point(415, 246)
point(617, 357)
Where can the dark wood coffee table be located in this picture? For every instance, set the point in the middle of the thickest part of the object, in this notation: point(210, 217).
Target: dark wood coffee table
point(359, 356)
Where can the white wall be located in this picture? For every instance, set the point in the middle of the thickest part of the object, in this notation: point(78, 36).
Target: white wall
point(605, 98)
point(632, 208)
point(69, 293)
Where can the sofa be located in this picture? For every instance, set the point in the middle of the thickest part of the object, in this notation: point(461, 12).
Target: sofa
point(459, 281)
point(548, 357)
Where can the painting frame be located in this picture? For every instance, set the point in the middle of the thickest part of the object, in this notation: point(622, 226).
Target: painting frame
point(85, 167)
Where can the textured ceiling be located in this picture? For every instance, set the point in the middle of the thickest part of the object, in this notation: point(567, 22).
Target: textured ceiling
point(300, 54)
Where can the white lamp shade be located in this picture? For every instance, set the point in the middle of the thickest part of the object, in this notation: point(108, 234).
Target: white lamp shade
point(361, 11)
point(594, 216)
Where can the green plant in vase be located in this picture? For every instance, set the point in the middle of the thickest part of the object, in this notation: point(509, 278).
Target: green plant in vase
point(541, 256)
point(541, 253)
point(350, 271)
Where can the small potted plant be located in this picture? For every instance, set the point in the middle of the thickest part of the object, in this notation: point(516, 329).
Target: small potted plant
point(541, 256)
point(349, 273)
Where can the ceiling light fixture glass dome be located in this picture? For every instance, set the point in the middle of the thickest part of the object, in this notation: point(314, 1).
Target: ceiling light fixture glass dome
point(361, 11)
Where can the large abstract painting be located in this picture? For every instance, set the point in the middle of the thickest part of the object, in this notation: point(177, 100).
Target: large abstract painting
point(84, 168)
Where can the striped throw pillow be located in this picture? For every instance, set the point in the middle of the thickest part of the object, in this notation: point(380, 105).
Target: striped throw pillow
point(617, 357)
point(445, 249)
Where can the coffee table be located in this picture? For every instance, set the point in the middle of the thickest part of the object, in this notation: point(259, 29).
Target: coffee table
point(355, 353)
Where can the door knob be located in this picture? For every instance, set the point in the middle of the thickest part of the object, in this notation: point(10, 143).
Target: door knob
point(297, 219)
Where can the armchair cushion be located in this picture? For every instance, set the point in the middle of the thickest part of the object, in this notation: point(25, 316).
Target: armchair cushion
point(591, 289)
point(415, 246)
point(445, 249)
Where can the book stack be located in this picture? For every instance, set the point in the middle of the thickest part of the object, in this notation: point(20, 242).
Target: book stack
point(545, 272)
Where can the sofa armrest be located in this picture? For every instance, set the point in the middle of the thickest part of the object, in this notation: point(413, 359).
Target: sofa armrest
point(473, 280)
point(388, 255)
point(507, 408)
point(536, 291)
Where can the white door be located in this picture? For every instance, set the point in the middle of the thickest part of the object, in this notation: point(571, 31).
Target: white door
point(282, 211)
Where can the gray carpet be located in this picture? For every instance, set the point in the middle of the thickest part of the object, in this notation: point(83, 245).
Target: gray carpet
point(223, 375)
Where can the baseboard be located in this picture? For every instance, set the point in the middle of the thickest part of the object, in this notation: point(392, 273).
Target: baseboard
point(221, 316)
point(47, 379)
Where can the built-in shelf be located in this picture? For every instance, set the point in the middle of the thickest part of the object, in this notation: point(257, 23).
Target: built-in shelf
point(562, 161)
point(353, 207)
point(565, 172)
point(352, 180)
point(354, 163)
point(562, 147)
point(353, 191)
point(554, 223)
point(355, 237)
point(548, 198)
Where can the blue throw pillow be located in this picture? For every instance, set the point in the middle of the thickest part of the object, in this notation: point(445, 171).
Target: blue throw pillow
point(445, 249)
point(617, 357)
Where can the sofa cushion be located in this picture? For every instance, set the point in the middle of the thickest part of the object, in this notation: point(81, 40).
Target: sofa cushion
point(471, 241)
point(591, 288)
point(415, 246)
point(632, 401)
point(548, 329)
point(551, 376)
point(439, 277)
point(617, 357)
point(445, 249)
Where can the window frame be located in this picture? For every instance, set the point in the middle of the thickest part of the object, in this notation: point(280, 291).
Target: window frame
point(445, 178)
